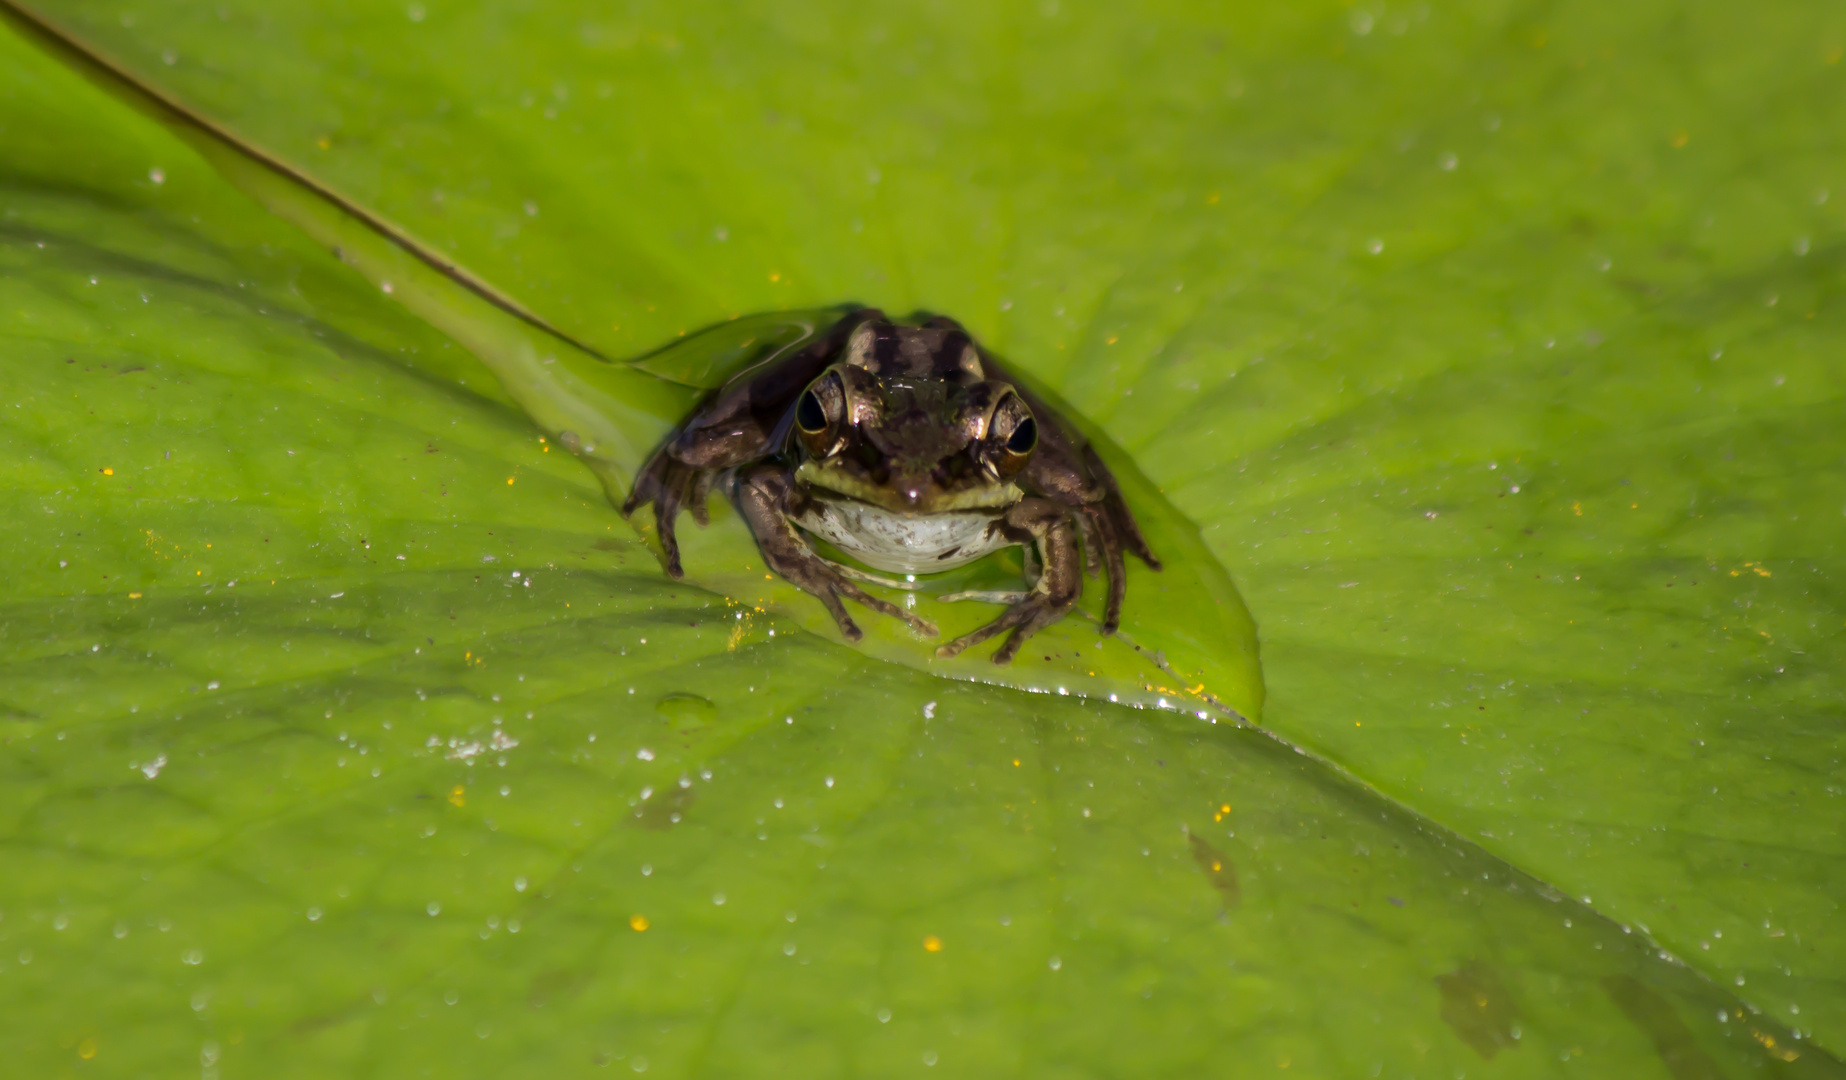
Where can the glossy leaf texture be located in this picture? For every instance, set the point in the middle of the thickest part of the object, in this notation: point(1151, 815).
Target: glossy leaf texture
point(1290, 260)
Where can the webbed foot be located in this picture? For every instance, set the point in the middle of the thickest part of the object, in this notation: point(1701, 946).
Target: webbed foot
point(671, 485)
point(1054, 592)
point(761, 495)
point(1025, 618)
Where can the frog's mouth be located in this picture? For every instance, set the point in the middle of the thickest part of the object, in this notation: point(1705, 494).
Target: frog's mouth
point(925, 496)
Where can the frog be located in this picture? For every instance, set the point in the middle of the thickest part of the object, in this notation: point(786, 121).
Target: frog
point(908, 447)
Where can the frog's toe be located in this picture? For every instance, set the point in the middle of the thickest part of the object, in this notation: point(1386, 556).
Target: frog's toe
point(1010, 648)
point(857, 574)
point(960, 644)
point(848, 629)
point(853, 592)
point(985, 596)
point(1024, 619)
point(699, 503)
point(669, 541)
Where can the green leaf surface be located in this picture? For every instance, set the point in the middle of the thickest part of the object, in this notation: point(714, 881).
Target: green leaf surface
point(1340, 280)
point(1188, 643)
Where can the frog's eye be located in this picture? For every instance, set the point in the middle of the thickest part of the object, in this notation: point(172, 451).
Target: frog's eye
point(1013, 434)
point(1024, 437)
point(819, 408)
point(809, 416)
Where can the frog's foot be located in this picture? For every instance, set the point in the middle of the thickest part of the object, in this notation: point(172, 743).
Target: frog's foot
point(1108, 538)
point(985, 596)
point(762, 497)
point(857, 574)
point(1053, 594)
point(1025, 618)
point(670, 485)
point(828, 581)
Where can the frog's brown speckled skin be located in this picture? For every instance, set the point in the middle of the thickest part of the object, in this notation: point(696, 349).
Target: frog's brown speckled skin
point(910, 447)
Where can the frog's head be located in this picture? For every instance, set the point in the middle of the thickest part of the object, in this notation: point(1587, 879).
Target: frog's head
point(907, 419)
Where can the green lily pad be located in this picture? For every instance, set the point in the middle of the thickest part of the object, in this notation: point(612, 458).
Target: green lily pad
point(1192, 647)
point(210, 876)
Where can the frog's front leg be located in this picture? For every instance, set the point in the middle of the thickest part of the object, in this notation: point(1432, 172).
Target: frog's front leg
point(1047, 525)
point(763, 497)
point(670, 484)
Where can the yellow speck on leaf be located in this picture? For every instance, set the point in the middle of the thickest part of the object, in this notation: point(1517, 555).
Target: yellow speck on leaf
point(86, 1049)
point(134, 596)
point(775, 275)
point(637, 923)
point(1212, 199)
point(1769, 1044)
point(458, 796)
point(1113, 338)
point(932, 943)
point(509, 479)
point(1679, 139)
point(325, 142)
point(108, 472)
point(1576, 508)
point(1762, 572)
point(1358, 723)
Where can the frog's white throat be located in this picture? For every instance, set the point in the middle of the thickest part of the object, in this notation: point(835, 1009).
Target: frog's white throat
point(903, 543)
